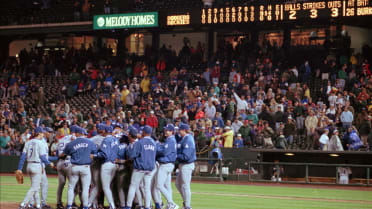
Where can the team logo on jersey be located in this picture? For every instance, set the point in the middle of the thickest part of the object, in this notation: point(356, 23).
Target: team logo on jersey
point(178, 145)
point(166, 146)
point(186, 146)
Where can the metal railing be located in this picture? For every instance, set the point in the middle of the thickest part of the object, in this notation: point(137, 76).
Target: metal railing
point(299, 173)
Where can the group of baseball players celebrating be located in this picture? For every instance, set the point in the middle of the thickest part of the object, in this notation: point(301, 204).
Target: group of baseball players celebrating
point(130, 158)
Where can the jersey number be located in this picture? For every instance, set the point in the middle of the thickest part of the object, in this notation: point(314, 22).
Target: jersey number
point(31, 152)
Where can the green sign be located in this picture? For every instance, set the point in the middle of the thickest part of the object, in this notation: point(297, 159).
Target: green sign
point(129, 20)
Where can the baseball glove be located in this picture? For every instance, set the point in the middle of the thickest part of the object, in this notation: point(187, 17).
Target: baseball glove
point(19, 176)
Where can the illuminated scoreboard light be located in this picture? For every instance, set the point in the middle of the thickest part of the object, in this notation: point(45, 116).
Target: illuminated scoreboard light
point(286, 11)
point(178, 20)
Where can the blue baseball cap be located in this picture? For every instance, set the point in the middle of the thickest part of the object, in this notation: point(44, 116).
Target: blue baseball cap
point(94, 133)
point(39, 130)
point(109, 129)
point(147, 129)
point(81, 131)
point(169, 127)
point(74, 128)
point(133, 131)
point(184, 126)
point(101, 126)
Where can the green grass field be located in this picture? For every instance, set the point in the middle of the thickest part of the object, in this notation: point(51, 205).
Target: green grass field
point(220, 196)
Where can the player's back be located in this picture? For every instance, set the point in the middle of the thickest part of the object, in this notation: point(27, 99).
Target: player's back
point(80, 150)
point(146, 159)
point(33, 150)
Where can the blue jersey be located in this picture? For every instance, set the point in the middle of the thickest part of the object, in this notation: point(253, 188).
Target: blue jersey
point(167, 152)
point(122, 151)
point(143, 153)
point(109, 149)
point(80, 150)
point(186, 152)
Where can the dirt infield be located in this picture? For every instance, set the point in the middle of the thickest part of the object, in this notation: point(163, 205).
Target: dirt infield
point(8, 205)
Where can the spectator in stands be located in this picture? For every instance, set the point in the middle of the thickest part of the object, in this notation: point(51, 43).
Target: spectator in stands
point(228, 137)
point(268, 134)
point(347, 118)
point(4, 143)
point(324, 140)
point(238, 141)
point(334, 143)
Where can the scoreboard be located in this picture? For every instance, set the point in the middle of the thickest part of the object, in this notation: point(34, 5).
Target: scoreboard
point(286, 11)
point(274, 11)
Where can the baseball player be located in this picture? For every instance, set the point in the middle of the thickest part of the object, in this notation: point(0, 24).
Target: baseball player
point(35, 154)
point(186, 156)
point(143, 153)
point(96, 166)
point(166, 156)
point(121, 172)
point(44, 178)
point(108, 153)
point(63, 165)
point(81, 150)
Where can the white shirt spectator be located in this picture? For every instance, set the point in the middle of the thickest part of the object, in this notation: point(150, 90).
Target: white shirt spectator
point(210, 111)
point(236, 126)
point(332, 99)
point(324, 139)
point(242, 104)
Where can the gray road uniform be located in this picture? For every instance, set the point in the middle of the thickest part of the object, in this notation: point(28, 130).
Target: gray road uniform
point(35, 154)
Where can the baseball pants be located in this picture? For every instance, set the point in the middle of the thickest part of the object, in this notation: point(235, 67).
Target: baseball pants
point(82, 172)
point(108, 171)
point(156, 195)
point(120, 181)
point(137, 177)
point(63, 170)
point(34, 170)
point(44, 187)
point(183, 181)
point(97, 184)
point(164, 181)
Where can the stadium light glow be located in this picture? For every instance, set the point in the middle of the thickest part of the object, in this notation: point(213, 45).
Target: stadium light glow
point(334, 155)
point(289, 154)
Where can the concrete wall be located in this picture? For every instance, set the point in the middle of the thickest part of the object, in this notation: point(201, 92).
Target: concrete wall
point(16, 46)
point(359, 36)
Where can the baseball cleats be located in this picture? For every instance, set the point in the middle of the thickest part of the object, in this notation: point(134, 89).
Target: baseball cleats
point(172, 206)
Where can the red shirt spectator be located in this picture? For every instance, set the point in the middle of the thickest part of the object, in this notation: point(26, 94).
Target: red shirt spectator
point(152, 120)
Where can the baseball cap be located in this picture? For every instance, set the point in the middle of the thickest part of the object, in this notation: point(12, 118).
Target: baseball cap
point(239, 135)
point(246, 121)
point(147, 129)
point(184, 126)
point(227, 127)
point(81, 131)
point(133, 131)
point(73, 128)
point(108, 129)
point(39, 130)
point(169, 127)
point(101, 126)
point(94, 133)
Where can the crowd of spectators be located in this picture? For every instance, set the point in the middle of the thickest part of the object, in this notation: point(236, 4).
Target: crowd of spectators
point(242, 97)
